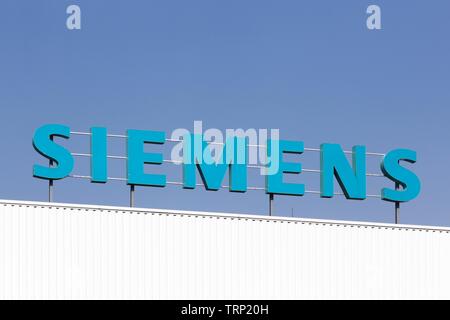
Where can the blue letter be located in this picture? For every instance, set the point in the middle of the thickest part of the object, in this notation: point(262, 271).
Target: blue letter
point(43, 143)
point(334, 163)
point(99, 158)
point(408, 180)
point(233, 154)
point(137, 158)
point(274, 182)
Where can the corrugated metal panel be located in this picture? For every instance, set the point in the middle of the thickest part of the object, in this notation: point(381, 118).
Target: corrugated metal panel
point(80, 252)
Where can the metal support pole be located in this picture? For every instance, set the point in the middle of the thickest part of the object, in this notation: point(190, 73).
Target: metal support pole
point(50, 182)
point(132, 189)
point(270, 204)
point(397, 206)
point(50, 190)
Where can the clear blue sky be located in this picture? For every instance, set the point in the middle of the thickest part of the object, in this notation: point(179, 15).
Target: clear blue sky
point(309, 68)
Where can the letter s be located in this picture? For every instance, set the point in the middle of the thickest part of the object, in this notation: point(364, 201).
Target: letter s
point(43, 143)
point(394, 171)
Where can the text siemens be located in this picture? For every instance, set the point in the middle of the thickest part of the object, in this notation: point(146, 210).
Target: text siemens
point(333, 164)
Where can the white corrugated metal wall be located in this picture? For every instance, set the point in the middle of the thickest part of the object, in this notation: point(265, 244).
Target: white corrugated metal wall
point(80, 252)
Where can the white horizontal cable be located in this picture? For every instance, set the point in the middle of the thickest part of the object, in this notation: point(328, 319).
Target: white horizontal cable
point(77, 176)
point(375, 175)
point(313, 149)
point(248, 166)
point(341, 194)
point(378, 154)
point(223, 187)
point(174, 140)
point(173, 161)
point(311, 170)
point(88, 155)
point(117, 136)
point(76, 133)
point(118, 179)
point(349, 152)
point(221, 143)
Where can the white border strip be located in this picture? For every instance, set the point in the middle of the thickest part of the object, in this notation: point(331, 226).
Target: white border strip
point(239, 216)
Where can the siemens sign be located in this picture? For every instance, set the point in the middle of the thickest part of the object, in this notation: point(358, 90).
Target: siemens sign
point(212, 160)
